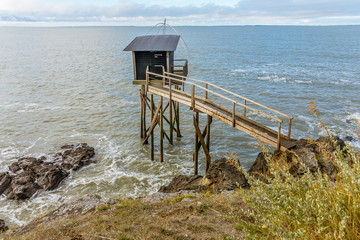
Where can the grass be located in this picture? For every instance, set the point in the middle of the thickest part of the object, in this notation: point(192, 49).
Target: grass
point(310, 207)
point(197, 218)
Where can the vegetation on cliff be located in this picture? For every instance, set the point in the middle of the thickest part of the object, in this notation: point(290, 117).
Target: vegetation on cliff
point(309, 203)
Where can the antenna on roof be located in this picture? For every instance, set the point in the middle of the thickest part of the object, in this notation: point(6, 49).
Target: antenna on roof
point(164, 31)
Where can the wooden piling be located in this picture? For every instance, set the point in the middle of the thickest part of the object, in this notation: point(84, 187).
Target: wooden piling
point(161, 130)
point(152, 133)
point(171, 114)
point(196, 151)
point(209, 121)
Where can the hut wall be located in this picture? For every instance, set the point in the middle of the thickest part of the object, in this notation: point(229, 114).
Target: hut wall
point(155, 61)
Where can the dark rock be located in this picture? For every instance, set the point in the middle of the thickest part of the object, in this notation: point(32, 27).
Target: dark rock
point(5, 181)
point(40, 174)
point(24, 186)
point(349, 138)
point(226, 176)
point(305, 156)
point(221, 176)
point(183, 182)
point(3, 227)
point(50, 176)
point(76, 156)
point(14, 167)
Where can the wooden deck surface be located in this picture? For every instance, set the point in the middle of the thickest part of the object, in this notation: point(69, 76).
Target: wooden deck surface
point(225, 115)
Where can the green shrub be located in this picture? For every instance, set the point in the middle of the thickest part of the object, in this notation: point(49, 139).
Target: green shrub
point(309, 207)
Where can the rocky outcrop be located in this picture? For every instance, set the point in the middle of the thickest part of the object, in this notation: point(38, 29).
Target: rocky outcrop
point(305, 156)
point(221, 176)
point(3, 227)
point(78, 207)
point(28, 174)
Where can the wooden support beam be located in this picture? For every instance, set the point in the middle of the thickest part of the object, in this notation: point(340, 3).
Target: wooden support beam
point(177, 118)
point(161, 131)
point(152, 133)
point(203, 135)
point(171, 123)
point(196, 151)
point(144, 114)
point(154, 119)
point(233, 115)
point(141, 114)
point(209, 121)
point(198, 133)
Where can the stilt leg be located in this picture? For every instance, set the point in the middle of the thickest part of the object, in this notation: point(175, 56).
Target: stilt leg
point(161, 131)
point(171, 123)
point(209, 121)
point(196, 152)
point(152, 133)
point(141, 114)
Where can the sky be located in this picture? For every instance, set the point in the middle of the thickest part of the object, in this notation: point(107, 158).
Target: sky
point(178, 12)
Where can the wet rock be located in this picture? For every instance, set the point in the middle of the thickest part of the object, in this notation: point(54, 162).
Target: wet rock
point(226, 176)
point(33, 174)
point(76, 156)
point(24, 186)
point(221, 176)
point(5, 181)
point(349, 138)
point(50, 176)
point(305, 156)
point(3, 227)
point(14, 167)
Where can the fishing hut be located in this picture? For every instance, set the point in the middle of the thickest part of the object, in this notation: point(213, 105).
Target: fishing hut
point(155, 54)
point(158, 73)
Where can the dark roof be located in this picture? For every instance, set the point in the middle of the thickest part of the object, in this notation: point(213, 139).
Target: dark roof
point(154, 43)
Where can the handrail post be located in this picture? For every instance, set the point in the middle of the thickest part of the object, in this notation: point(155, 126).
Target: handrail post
point(170, 114)
point(290, 122)
point(147, 79)
point(279, 133)
point(233, 115)
point(193, 97)
point(206, 92)
point(244, 107)
point(163, 78)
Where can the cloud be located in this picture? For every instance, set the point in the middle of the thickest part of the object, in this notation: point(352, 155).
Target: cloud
point(244, 12)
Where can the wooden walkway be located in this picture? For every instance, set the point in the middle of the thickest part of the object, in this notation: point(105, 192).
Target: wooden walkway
point(200, 97)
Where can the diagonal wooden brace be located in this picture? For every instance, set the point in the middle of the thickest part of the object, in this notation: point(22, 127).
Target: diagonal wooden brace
point(198, 133)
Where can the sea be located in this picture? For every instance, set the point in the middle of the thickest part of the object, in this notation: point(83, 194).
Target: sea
point(63, 85)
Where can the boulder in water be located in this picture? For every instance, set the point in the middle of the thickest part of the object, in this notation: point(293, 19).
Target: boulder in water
point(31, 174)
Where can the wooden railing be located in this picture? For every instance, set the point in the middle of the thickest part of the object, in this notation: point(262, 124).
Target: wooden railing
point(170, 79)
